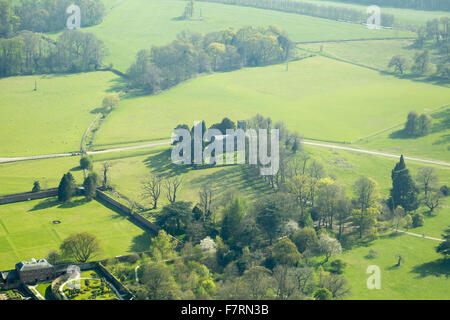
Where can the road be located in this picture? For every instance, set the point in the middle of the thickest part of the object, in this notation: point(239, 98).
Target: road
point(150, 145)
point(420, 235)
point(61, 155)
point(376, 153)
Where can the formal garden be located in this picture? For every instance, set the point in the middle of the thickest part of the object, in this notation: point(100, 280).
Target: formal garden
point(92, 287)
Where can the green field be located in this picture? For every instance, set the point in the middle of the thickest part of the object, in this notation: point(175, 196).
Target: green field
point(53, 118)
point(312, 94)
point(422, 275)
point(435, 145)
point(402, 16)
point(27, 231)
point(375, 54)
point(144, 23)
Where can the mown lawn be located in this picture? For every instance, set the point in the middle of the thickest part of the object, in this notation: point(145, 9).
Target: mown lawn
point(27, 229)
point(53, 118)
point(422, 275)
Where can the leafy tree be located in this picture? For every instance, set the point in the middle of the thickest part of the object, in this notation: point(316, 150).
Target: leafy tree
point(86, 163)
point(423, 125)
point(444, 247)
point(80, 246)
point(323, 294)
point(336, 284)
point(412, 124)
point(53, 257)
point(90, 185)
point(328, 246)
point(163, 247)
point(422, 62)
point(400, 64)
point(284, 252)
point(36, 186)
point(66, 188)
point(305, 239)
point(444, 190)
point(367, 195)
point(404, 191)
point(271, 214)
point(233, 215)
point(175, 217)
point(259, 281)
point(158, 282)
point(417, 220)
point(110, 102)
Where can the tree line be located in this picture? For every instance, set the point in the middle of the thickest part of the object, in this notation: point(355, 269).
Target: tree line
point(162, 67)
point(31, 53)
point(311, 9)
point(46, 15)
point(433, 41)
point(442, 5)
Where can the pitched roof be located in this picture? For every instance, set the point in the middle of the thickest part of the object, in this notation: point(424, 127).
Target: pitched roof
point(33, 265)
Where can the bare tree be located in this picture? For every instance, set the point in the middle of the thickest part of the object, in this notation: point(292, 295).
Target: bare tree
point(152, 188)
point(432, 199)
point(206, 195)
point(427, 179)
point(172, 185)
point(106, 166)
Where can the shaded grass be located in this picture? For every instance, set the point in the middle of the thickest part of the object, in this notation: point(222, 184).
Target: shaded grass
point(31, 232)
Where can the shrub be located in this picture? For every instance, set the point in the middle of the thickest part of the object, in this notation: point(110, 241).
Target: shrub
point(417, 220)
point(133, 258)
point(444, 190)
point(323, 294)
point(372, 254)
point(337, 266)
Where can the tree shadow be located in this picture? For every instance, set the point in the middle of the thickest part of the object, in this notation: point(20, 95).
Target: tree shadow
point(77, 168)
point(141, 242)
point(45, 204)
point(437, 268)
point(400, 134)
point(162, 164)
point(73, 203)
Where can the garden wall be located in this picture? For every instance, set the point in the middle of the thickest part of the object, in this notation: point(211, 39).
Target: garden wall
point(17, 197)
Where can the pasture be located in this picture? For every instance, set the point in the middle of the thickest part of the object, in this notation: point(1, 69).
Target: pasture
point(318, 97)
point(138, 24)
point(53, 118)
point(422, 275)
point(27, 229)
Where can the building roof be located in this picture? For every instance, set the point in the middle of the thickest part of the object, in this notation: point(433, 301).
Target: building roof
point(9, 275)
point(33, 265)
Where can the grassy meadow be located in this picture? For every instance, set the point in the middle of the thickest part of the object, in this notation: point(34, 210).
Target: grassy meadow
point(375, 54)
point(155, 22)
point(53, 118)
point(314, 92)
point(423, 274)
